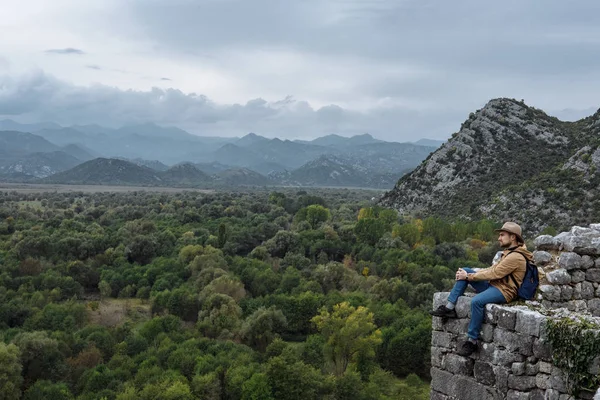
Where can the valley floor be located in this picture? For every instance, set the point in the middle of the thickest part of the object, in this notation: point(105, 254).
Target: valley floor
point(36, 188)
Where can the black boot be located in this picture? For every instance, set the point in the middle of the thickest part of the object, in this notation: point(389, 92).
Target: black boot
point(444, 312)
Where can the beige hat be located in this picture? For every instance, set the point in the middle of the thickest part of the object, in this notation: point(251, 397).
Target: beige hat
point(513, 228)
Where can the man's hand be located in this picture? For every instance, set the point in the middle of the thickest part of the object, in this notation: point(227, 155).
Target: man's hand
point(461, 274)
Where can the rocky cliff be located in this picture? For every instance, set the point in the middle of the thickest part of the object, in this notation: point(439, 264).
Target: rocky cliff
point(509, 161)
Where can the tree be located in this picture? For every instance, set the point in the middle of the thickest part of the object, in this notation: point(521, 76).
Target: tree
point(369, 230)
point(316, 215)
point(347, 331)
point(257, 388)
point(262, 327)
point(10, 372)
point(48, 390)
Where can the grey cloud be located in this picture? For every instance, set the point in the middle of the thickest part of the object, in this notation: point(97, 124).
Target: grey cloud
point(68, 50)
point(92, 66)
point(165, 79)
point(40, 97)
point(472, 50)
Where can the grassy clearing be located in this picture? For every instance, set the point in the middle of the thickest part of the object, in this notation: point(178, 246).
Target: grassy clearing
point(115, 312)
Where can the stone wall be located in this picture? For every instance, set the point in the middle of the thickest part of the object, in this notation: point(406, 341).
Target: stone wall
point(514, 357)
point(571, 261)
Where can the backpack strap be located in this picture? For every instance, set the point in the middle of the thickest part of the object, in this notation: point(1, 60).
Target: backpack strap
point(512, 277)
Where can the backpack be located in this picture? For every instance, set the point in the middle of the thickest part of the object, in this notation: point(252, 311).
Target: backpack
point(531, 280)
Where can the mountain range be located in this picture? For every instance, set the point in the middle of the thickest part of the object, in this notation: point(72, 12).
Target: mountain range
point(59, 154)
point(509, 161)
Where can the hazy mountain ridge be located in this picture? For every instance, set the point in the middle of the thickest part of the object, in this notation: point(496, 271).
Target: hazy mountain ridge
point(508, 161)
point(360, 160)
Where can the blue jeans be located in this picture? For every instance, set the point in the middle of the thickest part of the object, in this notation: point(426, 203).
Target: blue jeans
point(486, 294)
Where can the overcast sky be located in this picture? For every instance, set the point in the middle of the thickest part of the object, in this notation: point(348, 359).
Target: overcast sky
point(398, 69)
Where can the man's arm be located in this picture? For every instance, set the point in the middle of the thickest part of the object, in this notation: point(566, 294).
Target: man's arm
point(505, 267)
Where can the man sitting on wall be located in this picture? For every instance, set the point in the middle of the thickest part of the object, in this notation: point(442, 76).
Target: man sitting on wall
point(493, 284)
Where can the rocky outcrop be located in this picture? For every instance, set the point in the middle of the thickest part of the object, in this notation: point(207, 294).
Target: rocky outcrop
point(509, 161)
point(515, 357)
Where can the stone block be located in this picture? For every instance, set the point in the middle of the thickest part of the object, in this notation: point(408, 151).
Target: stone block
point(460, 387)
point(486, 352)
point(550, 292)
point(502, 357)
point(516, 395)
point(542, 258)
point(521, 382)
point(593, 275)
point(559, 277)
point(595, 227)
point(487, 332)
point(514, 342)
point(438, 396)
point(587, 290)
point(542, 350)
point(587, 262)
point(502, 374)
point(484, 373)
point(457, 326)
point(437, 324)
point(458, 365)
point(542, 381)
point(440, 299)
point(545, 242)
point(565, 396)
point(532, 369)
point(557, 380)
point(594, 307)
point(518, 368)
point(441, 381)
point(577, 305)
point(552, 394)
point(597, 262)
point(566, 292)
point(584, 245)
point(545, 367)
point(569, 260)
point(506, 318)
point(537, 394)
point(463, 307)
point(491, 313)
point(442, 339)
point(437, 356)
point(468, 389)
point(577, 291)
point(529, 322)
point(577, 276)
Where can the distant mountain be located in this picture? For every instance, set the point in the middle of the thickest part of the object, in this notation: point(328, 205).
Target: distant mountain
point(266, 168)
point(330, 170)
point(341, 141)
point(10, 125)
point(430, 142)
point(153, 130)
point(251, 139)
point(80, 152)
point(13, 142)
point(185, 173)
point(107, 171)
point(240, 176)
point(510, 161)
point(39, 165)
point(212, 167)
point(232, 154)
point(152, 164)
point(64, 136)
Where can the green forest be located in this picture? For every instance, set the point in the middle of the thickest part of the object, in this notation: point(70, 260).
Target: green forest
point(312, 294)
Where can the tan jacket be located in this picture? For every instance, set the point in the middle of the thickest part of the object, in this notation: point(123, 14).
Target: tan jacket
point(498, 275)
